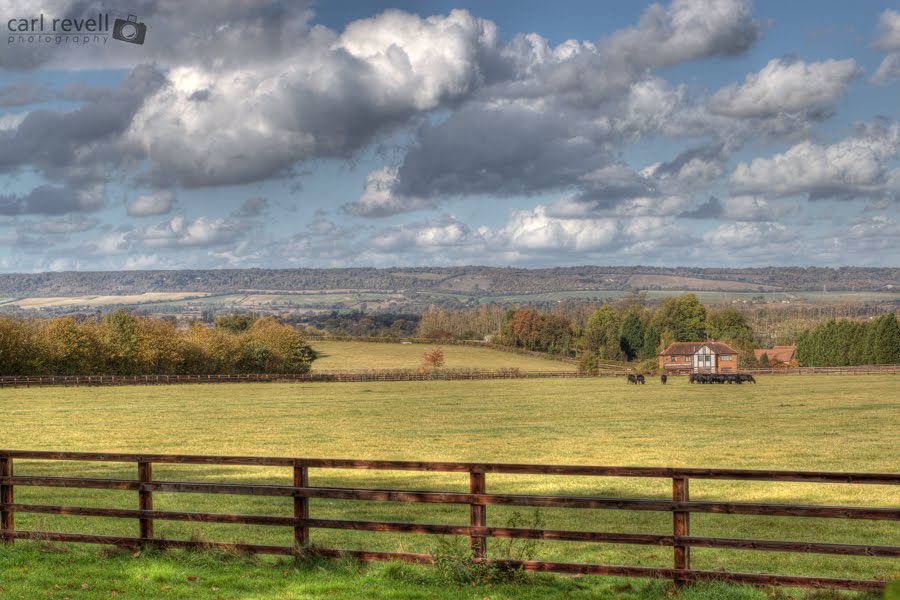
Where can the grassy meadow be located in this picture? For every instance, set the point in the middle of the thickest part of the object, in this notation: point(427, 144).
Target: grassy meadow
point(821, 423)
point(371, 355)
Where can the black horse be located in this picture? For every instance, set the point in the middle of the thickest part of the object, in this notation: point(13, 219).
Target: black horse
point(640, 379)
point(664, 378)
point(632, 379)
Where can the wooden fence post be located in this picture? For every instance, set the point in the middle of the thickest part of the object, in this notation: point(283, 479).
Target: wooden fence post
point(145, 500)
point(7, 517)
point(301, 507)
point(477, 515)
point(682, 526)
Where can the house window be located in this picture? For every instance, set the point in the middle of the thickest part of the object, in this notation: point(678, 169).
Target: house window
point(726, 357)
point(673, 358)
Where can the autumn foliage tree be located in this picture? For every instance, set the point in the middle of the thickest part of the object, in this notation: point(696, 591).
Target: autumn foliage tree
point(124, 344)
point(434, 358)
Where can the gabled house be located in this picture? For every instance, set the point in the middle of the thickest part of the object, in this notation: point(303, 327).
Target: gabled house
point(699, 357)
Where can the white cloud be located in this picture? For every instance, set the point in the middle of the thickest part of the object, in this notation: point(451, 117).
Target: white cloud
point(379, 199)
point(686, 30)
point(157, 203)
point(787, 86)
point(853, 167)
point(535, 230)
point(889, 27)
point(737, 236)
point(888, 71)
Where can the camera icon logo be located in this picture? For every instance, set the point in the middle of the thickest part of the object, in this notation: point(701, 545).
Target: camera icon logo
point(129, 30)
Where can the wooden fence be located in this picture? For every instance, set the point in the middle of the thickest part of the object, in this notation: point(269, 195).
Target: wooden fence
point(365, 376)
point(362, 376)
point(478, 499)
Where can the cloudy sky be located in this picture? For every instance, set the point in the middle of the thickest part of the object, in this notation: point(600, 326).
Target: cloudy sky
point(529, 133)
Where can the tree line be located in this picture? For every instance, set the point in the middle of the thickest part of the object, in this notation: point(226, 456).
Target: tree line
point(634, 330)
point(626, 330)
point(121, 343)
point(841, 342)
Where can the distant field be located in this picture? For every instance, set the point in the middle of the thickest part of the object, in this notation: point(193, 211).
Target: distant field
point(818, 423)
point(104, 300)
point(693, 283)
point(706, 297)
point(370, 355)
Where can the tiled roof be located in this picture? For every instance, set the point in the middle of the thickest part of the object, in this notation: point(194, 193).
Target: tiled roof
point(783, 354)
point(685, 348)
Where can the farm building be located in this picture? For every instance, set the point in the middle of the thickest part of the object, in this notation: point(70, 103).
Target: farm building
point(699, 357)
point(778, 354)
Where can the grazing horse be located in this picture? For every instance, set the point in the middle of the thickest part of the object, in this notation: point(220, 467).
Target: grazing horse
point(640, 379)
point(632, 379)
point(664, 378)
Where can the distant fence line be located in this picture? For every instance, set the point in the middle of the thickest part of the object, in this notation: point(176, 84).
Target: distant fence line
point(442, 342)
point(365, 376)
point(479, 500)
point(316, 376)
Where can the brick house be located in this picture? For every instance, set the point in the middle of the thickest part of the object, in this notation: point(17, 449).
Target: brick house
point(699, 357)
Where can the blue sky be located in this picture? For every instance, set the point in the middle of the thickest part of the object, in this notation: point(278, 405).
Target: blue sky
point(267, 134)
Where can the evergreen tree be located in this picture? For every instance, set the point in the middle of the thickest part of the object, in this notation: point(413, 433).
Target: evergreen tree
point(631, 339)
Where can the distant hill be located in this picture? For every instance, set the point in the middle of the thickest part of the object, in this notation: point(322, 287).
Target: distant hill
point(469, 280)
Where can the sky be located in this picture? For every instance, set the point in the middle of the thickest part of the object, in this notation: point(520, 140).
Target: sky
point(237, 134)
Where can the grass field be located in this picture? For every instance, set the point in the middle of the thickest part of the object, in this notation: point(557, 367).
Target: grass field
point(370, 355)
point(820, 423)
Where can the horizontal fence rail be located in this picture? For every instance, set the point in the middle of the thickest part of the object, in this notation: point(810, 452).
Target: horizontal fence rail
point(366, 376)
point(478, 499)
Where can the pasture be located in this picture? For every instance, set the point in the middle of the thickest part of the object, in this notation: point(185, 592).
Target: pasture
point(371, 355)
point(812, 423)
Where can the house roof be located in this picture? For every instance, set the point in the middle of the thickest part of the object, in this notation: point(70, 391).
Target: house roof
point(783, 354)
point(686, 348)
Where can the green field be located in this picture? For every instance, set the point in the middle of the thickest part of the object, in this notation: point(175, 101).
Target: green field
point(706, 297)
point(372, 355)
point(820, 423)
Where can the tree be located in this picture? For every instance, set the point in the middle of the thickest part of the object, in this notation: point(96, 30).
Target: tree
point(525, 327)
point(64, 348)
point(764, 360)
point(631, 338)
point(120, 338)
point(557, 336)
point(601, 336)
point(433, 359)
point(234, 323)
point(885, 340)
point(681, 319)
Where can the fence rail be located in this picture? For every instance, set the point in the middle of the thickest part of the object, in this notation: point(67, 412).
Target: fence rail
point(478, 499)
point(366, 376)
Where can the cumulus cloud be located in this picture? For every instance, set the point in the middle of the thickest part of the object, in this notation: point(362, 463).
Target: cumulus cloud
point(888, 71)
point(148, 205)
point(854, 167)
point(327, 95)
point(787, 86)
point(888, 40)
point(684, 31)
point(379, 199)
point(81, 146)
point(741, 208)
point(889, 30)
point(535, 230)
point(737, 236)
